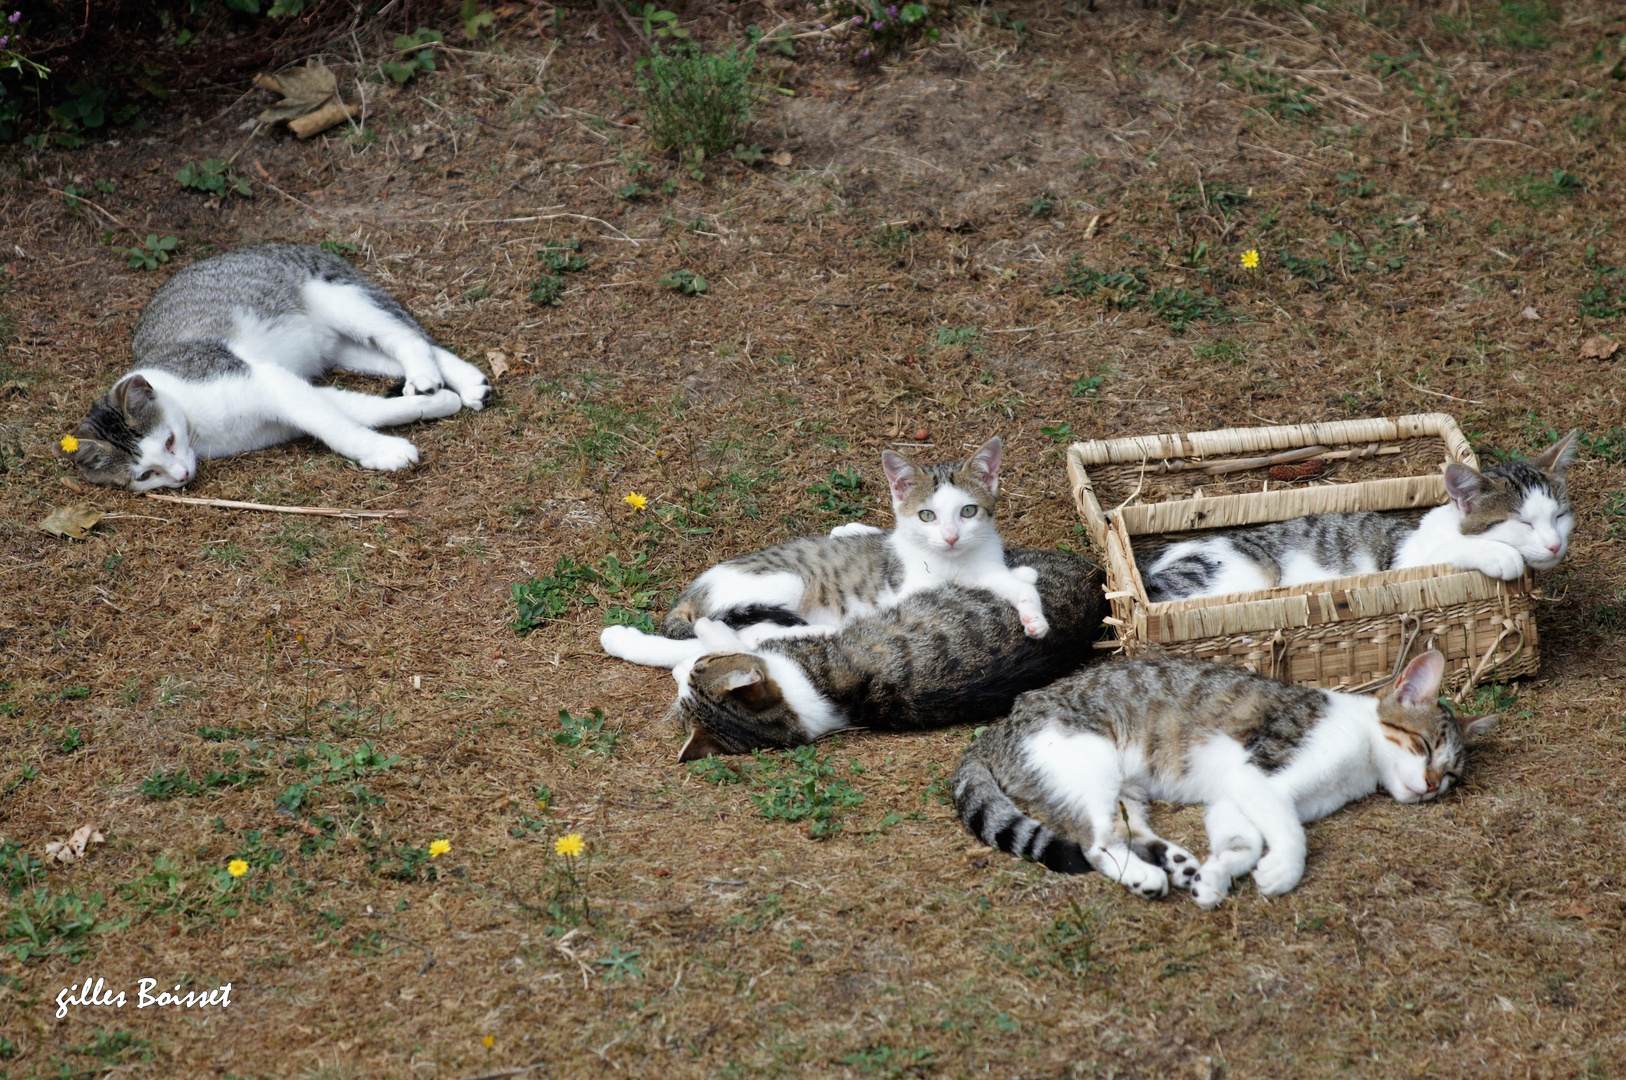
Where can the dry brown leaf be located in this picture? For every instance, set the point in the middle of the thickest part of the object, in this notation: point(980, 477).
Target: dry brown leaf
point(499, 363)
point(310, 103)
point(1599, 347)
point(1530, 313)
point(73, 848)
point(74, 521)
point(780, 158)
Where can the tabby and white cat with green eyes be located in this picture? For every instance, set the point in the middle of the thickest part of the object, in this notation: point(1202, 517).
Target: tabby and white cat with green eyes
point(944, 535)
point(1086, 753)
point(1498, 521)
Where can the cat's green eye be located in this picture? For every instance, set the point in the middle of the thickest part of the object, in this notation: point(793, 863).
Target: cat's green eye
point(928, 515)
point(969, 510)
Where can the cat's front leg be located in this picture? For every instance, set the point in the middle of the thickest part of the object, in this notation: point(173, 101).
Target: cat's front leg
point(1180, 864)
point(1491, 558)
point(290, 400)
point(1017, 589)
point(462, 376)
point(1282, 866)
point(1234, 846)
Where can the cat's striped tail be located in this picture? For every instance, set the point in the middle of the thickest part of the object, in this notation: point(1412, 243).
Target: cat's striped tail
point(998, 822)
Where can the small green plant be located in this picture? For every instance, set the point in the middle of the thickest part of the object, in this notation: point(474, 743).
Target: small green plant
point(1059, 433)
point(18, 869)
point(226, 553)
point(1070, 942)
point(148, 255)
point(621, 965)
point(1276, 95)
point(1225, 350)
point(406, 862)
point(212, 176)
point(890, 1062)
point(686, 282)
point(559, 257)
point(193, 896)
point(1182, 307)
point(540, 600)
point(413, 55)
point(955, 335)
point(85, 106)
point(1120, 288)
point(1087, 385)
point(696, 103)
point(1040, 206)
point(586, 733)
point(655, 22)
point(1607, 297)
point(475, 20)
point(71, 740)
point(1538, 191)
point(1351, 186)
point(42, 923)
point(840, 494)
point(340, 248)
point(795, 786)
point(1306, 268)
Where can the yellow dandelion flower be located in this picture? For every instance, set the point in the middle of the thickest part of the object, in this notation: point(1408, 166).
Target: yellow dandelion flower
point(69, 444)
point(570, 846)
point(438, 848)
point(489, 1041)
point(1250, 259)
point(635, 500)
point(237, 868)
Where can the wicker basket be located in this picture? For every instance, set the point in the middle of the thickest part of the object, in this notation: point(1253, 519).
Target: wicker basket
point(1350, 633)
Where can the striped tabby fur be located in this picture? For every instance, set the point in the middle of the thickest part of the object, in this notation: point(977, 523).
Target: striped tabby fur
point(1086, 754)
point(944, 656)
point(1513, 515)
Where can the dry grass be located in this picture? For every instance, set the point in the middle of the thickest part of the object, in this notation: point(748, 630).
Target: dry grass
point(1477, 937)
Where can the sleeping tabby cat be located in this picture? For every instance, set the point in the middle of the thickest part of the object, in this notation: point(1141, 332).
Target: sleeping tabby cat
point(943, 656)
point(1086, 753)
point(945, 533)
point(224, 354)
point(1499, 521)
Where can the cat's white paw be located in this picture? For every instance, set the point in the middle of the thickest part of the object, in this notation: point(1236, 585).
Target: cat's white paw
point(1128, 869)
point(1278, 872)
point(1209, 886)
point(623, 642)
point(388, 454)
point(1025, 574)
point(1500, 561)
point(441, 403)
point(469, 381)
point(474, 397)
point(422, 383)
point(1035, 625)
point(853, 528)
point(1181, 865)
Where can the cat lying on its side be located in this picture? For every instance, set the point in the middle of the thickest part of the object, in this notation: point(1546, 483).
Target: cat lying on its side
point(945, 535)
point(949, 655)
point(224, 354)
point(1086, 753)
point(1499, 521)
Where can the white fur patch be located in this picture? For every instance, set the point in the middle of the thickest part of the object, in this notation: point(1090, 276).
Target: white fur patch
point(818, 715)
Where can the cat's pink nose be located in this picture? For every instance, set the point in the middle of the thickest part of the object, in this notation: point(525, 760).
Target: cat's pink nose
point(1554, 548)
point(951, 540)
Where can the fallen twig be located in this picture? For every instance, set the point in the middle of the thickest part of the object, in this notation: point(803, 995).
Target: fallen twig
point(315, 511)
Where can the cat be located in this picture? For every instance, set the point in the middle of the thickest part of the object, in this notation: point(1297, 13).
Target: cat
point(1498, 521)
point(944, 533)
point(224, 352)
point(942, 656)
point(1087, 752)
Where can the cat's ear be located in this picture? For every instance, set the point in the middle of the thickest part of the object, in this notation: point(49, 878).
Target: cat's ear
point(133, 396)
point(701, 743)
point(1557, 457)
point(984, 464)
point(1420, 682)
point(1476, 728)
point(901, 474)
point(1466, 485)
point(747, 685)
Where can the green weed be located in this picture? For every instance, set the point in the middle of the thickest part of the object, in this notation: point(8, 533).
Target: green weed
point(226, 553)
point(686, 282)
point(797, 785)
point(147, 255)
point(18, 869)
point(1225, 350)
point(1182, 307)
point(586, 733)
point(621, 965)
point(1274, 92)
point(1120, 288)
point(546, 598)
point(696, 103)
point(1306, 267)
point(840, 494)
point(41, 923)
point(413, 55)
point(956, 335)
point(212, 176)
point(198, 896)
point(891, 1063)
point(559, 257)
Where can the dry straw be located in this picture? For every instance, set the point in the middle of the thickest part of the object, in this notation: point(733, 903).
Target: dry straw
point(1349, 633)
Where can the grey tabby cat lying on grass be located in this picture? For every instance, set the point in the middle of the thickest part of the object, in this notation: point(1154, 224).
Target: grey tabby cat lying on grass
point(948, 655)
point(224, 354)
point(1499, 521)
point(1086, 753)
point(944, 534)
